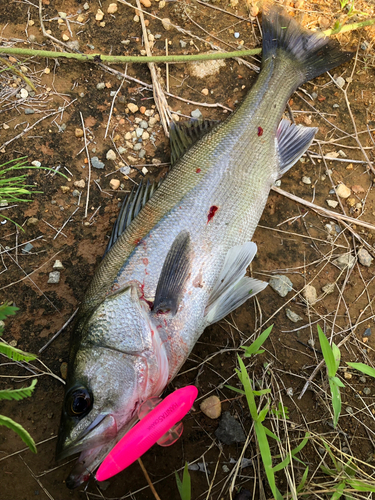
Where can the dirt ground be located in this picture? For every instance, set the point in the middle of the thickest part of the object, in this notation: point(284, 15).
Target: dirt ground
point(292, 239)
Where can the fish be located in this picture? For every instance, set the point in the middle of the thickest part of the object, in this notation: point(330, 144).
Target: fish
point(178, 254)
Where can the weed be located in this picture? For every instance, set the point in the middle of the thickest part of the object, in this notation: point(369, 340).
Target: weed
point(15, 394)
point(331, 354)
point(263, 433)
point(184, 486)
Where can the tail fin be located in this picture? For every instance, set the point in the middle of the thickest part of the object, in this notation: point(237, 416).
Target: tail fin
point(314, 52)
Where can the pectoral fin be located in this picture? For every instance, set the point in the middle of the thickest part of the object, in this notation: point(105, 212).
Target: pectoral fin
point(233, 288)
point(173, 276)
point(291, 142)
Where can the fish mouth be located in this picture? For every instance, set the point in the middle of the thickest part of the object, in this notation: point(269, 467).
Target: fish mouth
point(98, 433)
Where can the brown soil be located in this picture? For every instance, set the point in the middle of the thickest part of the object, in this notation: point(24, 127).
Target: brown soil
point(291, 239)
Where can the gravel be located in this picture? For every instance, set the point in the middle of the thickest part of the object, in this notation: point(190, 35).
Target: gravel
point(281, 284)
point(229, 430)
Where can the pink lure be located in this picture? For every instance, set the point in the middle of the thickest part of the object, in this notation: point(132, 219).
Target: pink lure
point(147, 432)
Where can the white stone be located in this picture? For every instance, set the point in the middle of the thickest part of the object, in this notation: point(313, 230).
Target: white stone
point(114, 183)
point(332, 203)
point(79, 184)
point(211, 407)
point(133, 108)
point(111, 155)
point(112, 8)
point(310, 294)
point(24, 93)
point(343, 191)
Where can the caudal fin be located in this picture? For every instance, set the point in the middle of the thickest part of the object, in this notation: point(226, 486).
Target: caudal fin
point(312, 52)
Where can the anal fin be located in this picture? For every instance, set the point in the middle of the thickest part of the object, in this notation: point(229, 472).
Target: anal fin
point(291, 142)
point(173, 276)
point(233, 288)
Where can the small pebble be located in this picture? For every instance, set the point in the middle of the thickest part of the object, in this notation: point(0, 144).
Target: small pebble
point(146, 3)
point(236, 35)
point(96, 163)
point(343, 191)
point(111, 155)
point(182, 44)
point(79, 184)
point(347, 375)
point(292, 315)
point(362, 379)
point(36, 163)
point(100, 86)
point(310, 294)
point(211, 407)
point(33, 221)
point(366, 391)
point(29, 111)
point(13, 343)
point(75, 193)
point(143, 124)
point(349, 410)
point(196, 114)
point(229, 430)
point(65, 37)
point(345, 260)
point(133, 108)
point(364, 45)
point(166, 22)
point(57, 266)
point(78, 132)
point(24, 94)
point(143, 109)
point(54, 277)
point(342, 154)
point(112, 8)
point(306, 180)
point(99, 15)
point(138, 146)
point(204, 91)
point(144, 171)
point(357, 189)
point(364, 257)
point(332, 203)
point(367, 332)
point(281, 284)
point(335, 106)
point(32, 38)
point(65, 189)
point(114, 183)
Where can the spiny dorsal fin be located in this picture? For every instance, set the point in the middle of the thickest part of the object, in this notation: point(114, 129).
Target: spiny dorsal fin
point(291, 142)
point(173, 276)
point(232, 288)
point(130, 208)
point(183, 135)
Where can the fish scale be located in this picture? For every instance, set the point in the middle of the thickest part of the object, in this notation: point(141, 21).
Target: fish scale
point(180, 264)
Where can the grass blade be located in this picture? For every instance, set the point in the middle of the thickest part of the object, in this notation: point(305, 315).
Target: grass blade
point(254, 347)
point(362, 367)
point(23, 434)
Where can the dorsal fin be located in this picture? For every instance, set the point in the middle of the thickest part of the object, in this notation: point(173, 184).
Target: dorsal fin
point(130, 208)
point(183, 135)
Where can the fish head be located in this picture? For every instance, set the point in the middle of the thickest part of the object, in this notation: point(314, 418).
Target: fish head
point(118, 364)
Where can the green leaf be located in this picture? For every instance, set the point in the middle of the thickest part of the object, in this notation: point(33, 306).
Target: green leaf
point(7, 310)
point(245, 380)
point(16, 354)
point(184, 487)
point(336, 355)
point(337, 381)
point(303, 480)
point(362, 367)
point(336, 401)
point(327, 353)
point(18, 394)
point(265, 452)
point(254, 347)
point(359, 485)
point(282, 464)
point(271, 434)
point(339, 491)
point(302, 444)
point(235, 389)
point(261, 392)
point(23, 434)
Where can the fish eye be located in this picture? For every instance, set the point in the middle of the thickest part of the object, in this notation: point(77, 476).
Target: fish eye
point(79, 402)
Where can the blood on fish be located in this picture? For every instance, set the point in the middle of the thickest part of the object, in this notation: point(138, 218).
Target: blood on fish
point(145, 261)
point(211, 213)
point(260, 131)
point(142, 297)
point(198, 170)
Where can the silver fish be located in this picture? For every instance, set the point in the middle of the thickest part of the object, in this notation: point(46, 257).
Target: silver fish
point(179, 255)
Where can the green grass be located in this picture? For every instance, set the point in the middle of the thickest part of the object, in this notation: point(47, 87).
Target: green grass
point(13, 187)
point(262, 433)
point(184, 486)
point(332, 355)
point(15, 394)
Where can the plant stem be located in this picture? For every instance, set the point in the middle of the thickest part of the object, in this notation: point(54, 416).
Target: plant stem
point(128, 59)
point(349, 27)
